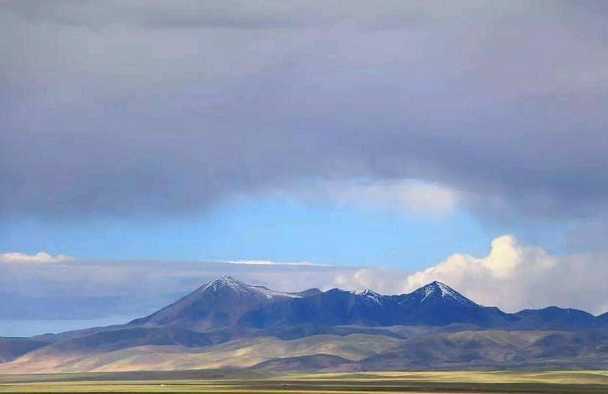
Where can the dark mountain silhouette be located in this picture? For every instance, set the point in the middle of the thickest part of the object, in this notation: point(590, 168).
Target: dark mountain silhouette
point(555, 318)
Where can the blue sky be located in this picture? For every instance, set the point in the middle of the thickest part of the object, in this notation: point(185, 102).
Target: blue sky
point(276, 229)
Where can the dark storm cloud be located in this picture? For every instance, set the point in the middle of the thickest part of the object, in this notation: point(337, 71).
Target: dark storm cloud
point(169, 107)
point(241, 14)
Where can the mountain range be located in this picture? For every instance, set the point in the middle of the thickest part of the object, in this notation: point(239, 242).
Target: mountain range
point(229, 324)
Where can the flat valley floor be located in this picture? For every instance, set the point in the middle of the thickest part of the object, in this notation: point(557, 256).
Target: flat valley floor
point(373, 382)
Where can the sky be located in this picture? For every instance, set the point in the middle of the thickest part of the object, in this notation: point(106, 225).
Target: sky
point(149, 146)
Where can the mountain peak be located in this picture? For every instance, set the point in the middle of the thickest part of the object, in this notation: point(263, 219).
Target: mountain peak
point(230, 284)
point(370, 294)
point(226, 281)
point(436, 290)
point(367, 292)
point(445, 289)
point(218, 303)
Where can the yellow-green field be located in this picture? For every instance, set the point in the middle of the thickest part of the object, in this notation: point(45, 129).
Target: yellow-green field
point(387, 382)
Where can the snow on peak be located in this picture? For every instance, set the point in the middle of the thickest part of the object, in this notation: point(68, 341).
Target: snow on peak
point(372, 295)
point(444, 291)
point(268, 293)
point(228, 282)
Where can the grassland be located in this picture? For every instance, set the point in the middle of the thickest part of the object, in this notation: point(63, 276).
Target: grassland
point(235, 382)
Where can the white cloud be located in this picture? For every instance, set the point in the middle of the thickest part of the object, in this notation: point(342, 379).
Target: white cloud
point(514, 276)
point(410, 196)
point(377, 279)
point(40, 257)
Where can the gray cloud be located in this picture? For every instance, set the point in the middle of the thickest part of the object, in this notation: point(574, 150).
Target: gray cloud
point(240, 14)
point(170, 107)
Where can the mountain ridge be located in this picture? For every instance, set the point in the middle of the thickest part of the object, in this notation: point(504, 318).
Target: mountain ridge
point(228, 311)
point(229, 303)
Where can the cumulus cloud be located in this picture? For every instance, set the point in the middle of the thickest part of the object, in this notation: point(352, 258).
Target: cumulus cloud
point(514, 276)
point(40, 257)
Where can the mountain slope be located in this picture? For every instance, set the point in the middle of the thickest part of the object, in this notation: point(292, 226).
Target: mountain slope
point(555, 318)
point(240, 353)
point(219, 303)
point(11, 348)
point(330, 308)
point(442, 349)
point(437, 304)
point(491, 349)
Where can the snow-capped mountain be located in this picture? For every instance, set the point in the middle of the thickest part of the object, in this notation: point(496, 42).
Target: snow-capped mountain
point(435, 304)
point(437, 292)
point(219, 303)
point(230, 303)
point(371, 295)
